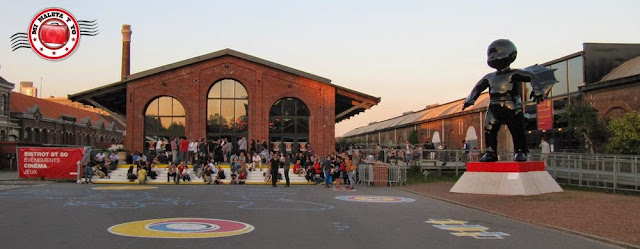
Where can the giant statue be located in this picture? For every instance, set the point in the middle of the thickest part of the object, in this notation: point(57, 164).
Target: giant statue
point(505, 93)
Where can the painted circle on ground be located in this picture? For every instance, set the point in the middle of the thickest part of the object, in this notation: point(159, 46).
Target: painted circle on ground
point(374, 198)
point(181, 228)
point(124, 188)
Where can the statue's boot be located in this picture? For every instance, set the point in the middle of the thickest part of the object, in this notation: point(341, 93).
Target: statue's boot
point(489, 157)
point(520, 157)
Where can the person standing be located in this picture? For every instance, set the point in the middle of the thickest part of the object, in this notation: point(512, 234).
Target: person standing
point(287, 165)
point(242, 145)
point(252, 148)
point(174, 150)
point(351, 170)
point(326, 167)
point(193, 148)
point(275, 161)
point(88, 172)
point(159, 147)
point(465, 151)
point(184, 149)
point(545, 148)
point(265, 146)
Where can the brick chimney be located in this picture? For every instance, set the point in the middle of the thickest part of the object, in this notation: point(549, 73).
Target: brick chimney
point(126, 51)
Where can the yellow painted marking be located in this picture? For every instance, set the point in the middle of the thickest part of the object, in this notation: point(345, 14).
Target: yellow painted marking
point(139, 229)
point(467, 229)
point(446, 222)
point(125, 188)
point(467, 234)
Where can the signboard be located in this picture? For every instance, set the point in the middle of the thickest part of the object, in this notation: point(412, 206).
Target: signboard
point(50, 163)
point(545, 115)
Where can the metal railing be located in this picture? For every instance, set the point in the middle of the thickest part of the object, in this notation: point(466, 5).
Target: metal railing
point(395, 175)
point(604, 171)
point(453, 161)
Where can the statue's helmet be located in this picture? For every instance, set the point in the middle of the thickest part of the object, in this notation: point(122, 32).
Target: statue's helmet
point(501, 53)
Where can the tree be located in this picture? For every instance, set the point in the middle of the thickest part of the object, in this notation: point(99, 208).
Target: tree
point(413, 137)
point(588, 128)
point(625, 132)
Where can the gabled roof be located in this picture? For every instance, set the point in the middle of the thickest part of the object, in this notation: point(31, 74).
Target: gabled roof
point(6, 83)
point(432, 112)
point(20, 103)
point(113, 96)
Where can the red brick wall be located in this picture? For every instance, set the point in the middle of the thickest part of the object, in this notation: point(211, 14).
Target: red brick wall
point(190, 85)
point(615, 101)
point(455, 129)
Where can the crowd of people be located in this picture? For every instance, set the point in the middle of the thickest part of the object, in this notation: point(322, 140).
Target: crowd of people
point(205, 156)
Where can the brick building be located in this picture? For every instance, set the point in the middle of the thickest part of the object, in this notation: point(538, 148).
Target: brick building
point(606, 75)
point(30, 121)
point(228, 94)
point(617, 92)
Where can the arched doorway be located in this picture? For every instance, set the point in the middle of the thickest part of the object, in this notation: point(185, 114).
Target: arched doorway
point(436, 139)
point(472, 138)
point(288, 125)
point(228, 111)
point(164, 118)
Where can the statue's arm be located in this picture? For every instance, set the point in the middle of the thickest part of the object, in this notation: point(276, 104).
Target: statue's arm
point(541, 78)
point(475, 93)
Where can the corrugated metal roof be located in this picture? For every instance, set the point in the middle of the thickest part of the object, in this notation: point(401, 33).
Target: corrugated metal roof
point(425, 115)
point(628, 68)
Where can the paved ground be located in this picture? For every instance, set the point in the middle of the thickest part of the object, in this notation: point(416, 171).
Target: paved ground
point(66, 215)
point(610, 216)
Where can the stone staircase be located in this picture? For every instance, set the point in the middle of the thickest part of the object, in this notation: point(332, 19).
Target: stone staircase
point(256, 177)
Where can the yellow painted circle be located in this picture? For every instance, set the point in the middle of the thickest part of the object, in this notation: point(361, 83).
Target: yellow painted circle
point(181, 228)
point(124, 188)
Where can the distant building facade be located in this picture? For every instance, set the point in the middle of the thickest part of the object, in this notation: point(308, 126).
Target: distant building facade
point(27, 88)
point(30, 121)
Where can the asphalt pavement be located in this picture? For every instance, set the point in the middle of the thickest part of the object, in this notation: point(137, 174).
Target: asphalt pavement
point(67, 215)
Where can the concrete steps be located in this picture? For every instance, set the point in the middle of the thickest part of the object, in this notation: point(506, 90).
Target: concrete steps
point(256, 177)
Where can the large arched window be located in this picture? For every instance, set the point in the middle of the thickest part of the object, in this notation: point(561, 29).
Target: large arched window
point(227, 111)
point(164, 118)
point(288, 125)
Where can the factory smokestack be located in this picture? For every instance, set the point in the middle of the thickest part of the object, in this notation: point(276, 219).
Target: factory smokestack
point(126, 51)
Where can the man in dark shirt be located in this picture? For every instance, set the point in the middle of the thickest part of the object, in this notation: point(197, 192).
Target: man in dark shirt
point(326, 166)
point(275, 161)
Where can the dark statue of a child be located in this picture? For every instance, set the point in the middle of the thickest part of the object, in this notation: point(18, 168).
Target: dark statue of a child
point(505, 93)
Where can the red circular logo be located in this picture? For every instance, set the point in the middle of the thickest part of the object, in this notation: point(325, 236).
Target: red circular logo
point(54, 33)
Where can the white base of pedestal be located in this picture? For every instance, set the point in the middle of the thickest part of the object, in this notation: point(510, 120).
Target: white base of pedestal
point(506, 183)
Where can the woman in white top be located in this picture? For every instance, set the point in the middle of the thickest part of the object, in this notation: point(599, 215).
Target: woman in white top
point(159, 146)
point(256, 160)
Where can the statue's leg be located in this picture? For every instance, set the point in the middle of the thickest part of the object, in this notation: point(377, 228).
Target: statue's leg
point(516, 127)
point(491, 129)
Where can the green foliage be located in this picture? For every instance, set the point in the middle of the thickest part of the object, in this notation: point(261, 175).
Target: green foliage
point(413, 137)
point(588, 128)
point(625, 132)
point(415, 175)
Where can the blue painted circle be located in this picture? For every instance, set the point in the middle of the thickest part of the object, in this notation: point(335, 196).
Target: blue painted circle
point(183, 227)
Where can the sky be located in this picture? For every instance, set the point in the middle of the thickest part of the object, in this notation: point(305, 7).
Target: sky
point(409, 53)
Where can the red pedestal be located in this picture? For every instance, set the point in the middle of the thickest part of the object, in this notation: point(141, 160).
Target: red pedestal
point(505, 166)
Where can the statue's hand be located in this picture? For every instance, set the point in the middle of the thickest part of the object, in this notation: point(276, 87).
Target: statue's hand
point(537, 97)
point(465, 105)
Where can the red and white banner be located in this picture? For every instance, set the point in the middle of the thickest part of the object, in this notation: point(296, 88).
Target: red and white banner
point(50, 163)
point(545, 115)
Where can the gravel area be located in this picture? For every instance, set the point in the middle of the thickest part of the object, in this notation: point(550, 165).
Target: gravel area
point(611, 216)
